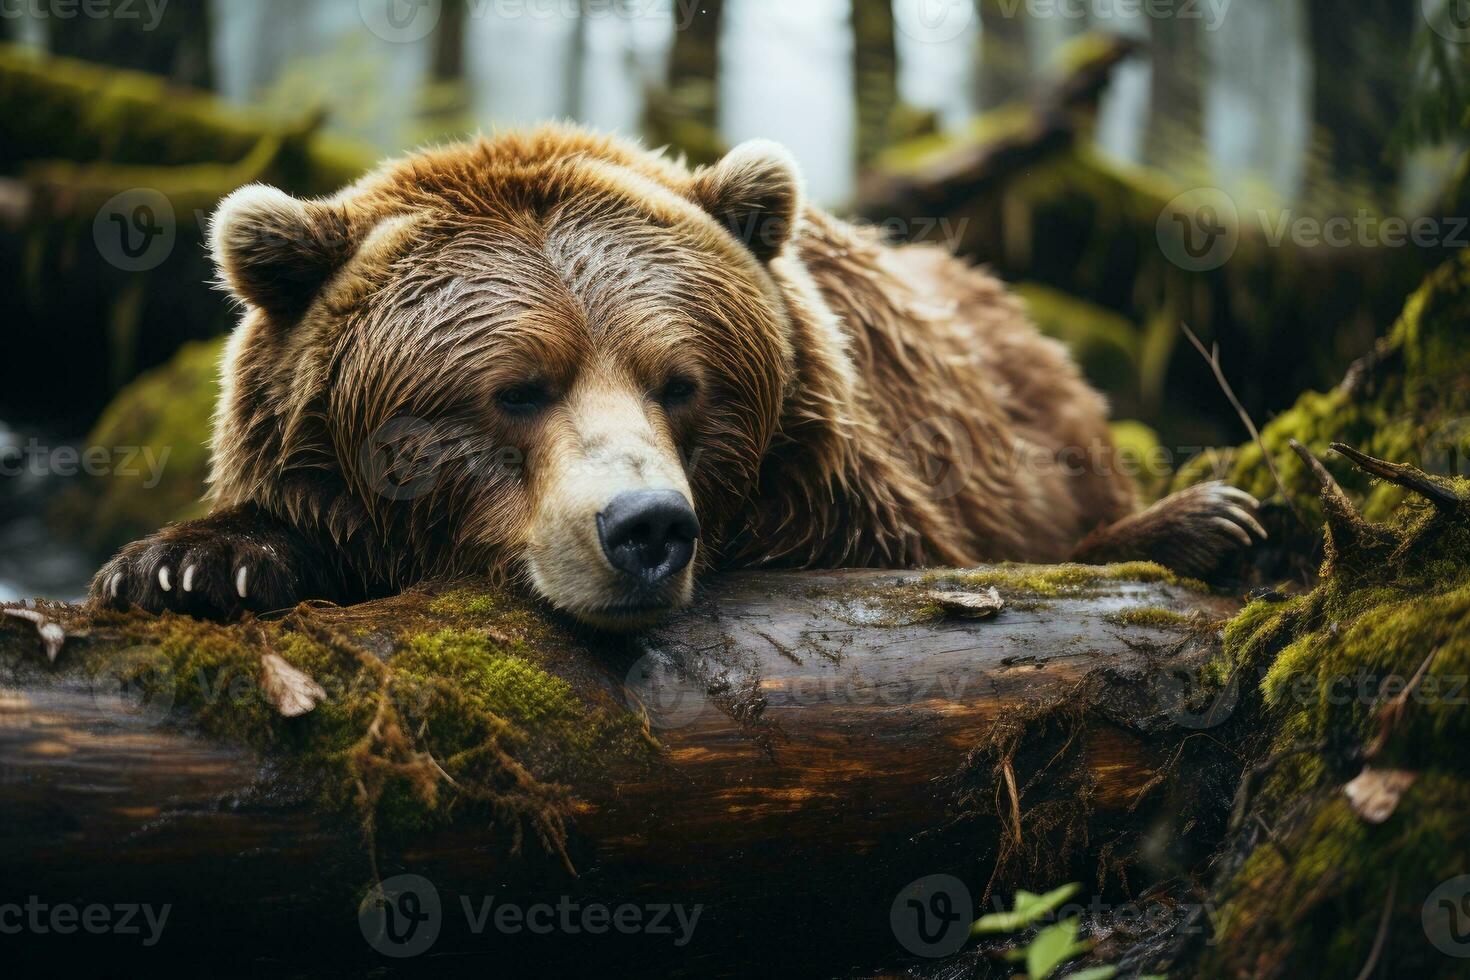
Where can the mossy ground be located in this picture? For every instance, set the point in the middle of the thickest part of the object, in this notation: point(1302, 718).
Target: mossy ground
point(1308, 899)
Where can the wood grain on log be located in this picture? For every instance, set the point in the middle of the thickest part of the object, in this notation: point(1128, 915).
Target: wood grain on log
point(812, 729)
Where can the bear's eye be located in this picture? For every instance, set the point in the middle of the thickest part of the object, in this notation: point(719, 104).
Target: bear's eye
point(678, 391)
point(523, 399)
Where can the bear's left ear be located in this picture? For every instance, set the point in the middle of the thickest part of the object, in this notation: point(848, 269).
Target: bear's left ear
point(276, 252)
point(755, 192)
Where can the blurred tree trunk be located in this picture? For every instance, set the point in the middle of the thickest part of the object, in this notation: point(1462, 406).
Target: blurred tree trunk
point(1005, 61)
point(1175, 113)
point(684, 112)
point(874, 74)
point(176, 47)
point(1360, 61)
point(694, 65)
point(576, 55)
point(448, 65)
point(445, 101)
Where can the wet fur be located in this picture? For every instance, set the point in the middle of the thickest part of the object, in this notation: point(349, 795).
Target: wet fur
point(591, 262)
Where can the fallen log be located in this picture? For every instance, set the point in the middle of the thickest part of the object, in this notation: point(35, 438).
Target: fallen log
point(764, 775)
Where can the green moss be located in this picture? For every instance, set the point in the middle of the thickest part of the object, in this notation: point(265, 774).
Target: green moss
point(1050, 581)
point(1313, 908)
point(468, 602)
point(1328, 663)
point(484, 683)
point(1146, 617)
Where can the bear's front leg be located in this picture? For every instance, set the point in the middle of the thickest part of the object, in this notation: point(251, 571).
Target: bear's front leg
point(234, 560)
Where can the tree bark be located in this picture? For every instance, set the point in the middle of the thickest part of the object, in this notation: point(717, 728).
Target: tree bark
point(819, 739)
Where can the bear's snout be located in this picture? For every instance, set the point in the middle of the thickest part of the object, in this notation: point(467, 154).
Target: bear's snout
point(648, 534)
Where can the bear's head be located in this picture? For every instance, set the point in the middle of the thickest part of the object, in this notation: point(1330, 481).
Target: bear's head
point(552, 357)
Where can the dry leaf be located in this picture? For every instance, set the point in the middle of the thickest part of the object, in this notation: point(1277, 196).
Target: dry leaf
point(1374, 793)
point(52, 635)
point(968, 605)
point(292, 692)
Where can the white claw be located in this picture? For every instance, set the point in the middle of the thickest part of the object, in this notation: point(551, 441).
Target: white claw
point(188, 582)
point(114, 585)
point(1243, 516)
point(1238, 495)
point(241, 575)
point(1234, 529)
point(164, 582)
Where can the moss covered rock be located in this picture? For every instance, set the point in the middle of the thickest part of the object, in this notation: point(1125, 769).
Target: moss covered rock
point(156, 433)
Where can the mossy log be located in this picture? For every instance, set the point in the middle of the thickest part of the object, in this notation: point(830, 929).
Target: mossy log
point(786, 755)
point(1026, 192)
point(106, 179)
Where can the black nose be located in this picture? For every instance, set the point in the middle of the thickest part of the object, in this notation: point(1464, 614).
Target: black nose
point(649, 534)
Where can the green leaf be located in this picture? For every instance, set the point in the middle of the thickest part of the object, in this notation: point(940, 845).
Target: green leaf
point(1052, 947)
point(1028, 909)
point(1094, 973)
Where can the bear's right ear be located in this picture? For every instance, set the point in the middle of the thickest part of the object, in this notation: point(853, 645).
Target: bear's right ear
point(755, 192)
point(274, 251)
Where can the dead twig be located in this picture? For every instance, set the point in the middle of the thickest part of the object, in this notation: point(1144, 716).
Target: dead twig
point(1212, 357)
point(1392, 712)
point(1382, 937)
point(1404, 475)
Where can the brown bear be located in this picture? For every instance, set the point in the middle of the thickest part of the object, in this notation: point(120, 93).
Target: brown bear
point(578, 365)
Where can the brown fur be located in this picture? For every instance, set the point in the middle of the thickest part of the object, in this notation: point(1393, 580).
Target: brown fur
point(599, 270)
